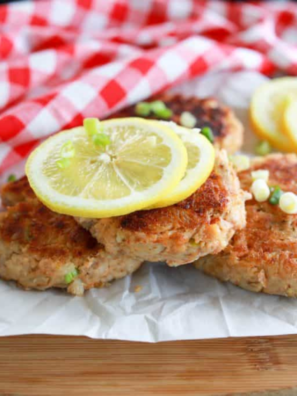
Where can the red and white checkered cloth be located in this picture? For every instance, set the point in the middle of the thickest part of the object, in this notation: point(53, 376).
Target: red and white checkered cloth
point(63, 60)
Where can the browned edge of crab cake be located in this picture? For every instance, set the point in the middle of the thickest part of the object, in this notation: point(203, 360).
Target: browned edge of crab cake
point(202, 224)
point(263, 256)
point(227, 129)
point(39, 247)
point(16, 191)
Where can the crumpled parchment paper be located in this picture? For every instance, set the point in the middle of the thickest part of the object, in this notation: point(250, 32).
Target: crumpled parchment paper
point(173, 303)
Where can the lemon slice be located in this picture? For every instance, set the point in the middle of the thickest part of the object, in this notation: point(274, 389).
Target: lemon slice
point(138, 163)
point(201, 158)
point(290, 120)
point(266, 110)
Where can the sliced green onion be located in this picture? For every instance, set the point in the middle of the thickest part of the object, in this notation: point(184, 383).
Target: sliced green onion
point(165, 114)
point(92, 126)
point(207, 132)
point(143, 109)
point(240, 161)
point(157, 106)
point(68, 150)
point(70, 276)
point(100, 139)
point(11, 178)
point(187, 119)
point(275, 196)
point(63, 163)
point(94, 129)
point(160, 110)
point(288, 203)
point(260, 174)
point(263, 148)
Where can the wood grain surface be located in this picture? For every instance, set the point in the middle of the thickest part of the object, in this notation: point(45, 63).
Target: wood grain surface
point(47, 365)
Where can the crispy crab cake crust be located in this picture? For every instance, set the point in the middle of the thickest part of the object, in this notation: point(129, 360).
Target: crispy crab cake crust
point(227, 129)
point(39, 247)
point(202, 224)
point(263, 256)
point(15, 192)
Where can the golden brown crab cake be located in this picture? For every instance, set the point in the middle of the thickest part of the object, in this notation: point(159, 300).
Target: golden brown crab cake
point(227, 129)
point(40, 249)
point(202, 224)
point(262, 257)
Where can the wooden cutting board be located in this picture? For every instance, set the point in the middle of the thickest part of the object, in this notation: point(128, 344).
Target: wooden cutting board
point(46, 365)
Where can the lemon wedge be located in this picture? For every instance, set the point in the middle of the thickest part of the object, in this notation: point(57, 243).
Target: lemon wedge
point(131, 164)
point(266, 111)
point(201, 158)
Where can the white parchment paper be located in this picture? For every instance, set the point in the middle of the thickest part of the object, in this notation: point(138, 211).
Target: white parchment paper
point(174, 303)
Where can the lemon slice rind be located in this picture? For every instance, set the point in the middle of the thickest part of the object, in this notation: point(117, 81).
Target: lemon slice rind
point(195, 176)
point(289, 121)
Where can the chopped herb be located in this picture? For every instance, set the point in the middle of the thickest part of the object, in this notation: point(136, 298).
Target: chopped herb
point(263, 148)
point(92, 126)
point(276, 193)
point(160, 110)
point(68, 150)
point(207, 132)
point(288, 203)
point(11, 178)
point(63, 163)
point(165, 114)
point(157, 106)
point(100, 139)
point(143, 109)
point(260, 174)
point(187, 119)
point(94, 129)
point(241, 162)
point(71, 276)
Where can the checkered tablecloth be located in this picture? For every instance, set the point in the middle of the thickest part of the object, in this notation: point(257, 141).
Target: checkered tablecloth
point(63, 60)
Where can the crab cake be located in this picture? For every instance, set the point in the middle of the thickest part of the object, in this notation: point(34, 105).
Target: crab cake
point(227, 129)
point(40, 249)
point(263, 256)
point(178, 234)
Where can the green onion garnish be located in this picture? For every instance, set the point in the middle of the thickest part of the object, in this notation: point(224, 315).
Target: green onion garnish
point(11, 178)
point(187, 119)
point(165, 114)
point(160, 110)
point(263, 148)
point(207, 132)
point(92, 126)
point(70, 276)
point(68, 150)
point(143, 109)
point(100, 139)
point(94, 129)
point(157, 106)
point(63, 163)
point(275, 196)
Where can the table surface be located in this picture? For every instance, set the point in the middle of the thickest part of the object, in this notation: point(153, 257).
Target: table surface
point(48, 365)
